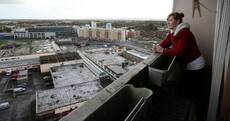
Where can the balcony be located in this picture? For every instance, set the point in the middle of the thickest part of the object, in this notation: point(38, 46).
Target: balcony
point(211, 29)
point(163, 103)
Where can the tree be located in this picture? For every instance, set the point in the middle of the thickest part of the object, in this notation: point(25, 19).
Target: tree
point(5, 29)
point(151, 26)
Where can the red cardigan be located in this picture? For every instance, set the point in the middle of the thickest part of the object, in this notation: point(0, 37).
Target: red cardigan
point(183, 46)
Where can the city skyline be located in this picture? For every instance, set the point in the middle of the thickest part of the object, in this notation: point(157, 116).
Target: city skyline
point(76, 9)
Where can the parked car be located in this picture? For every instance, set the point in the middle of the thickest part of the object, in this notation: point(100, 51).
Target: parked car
point(9, 72)
point(49, 84)
point(48, 80)
point(13, 79)
point(47, 77)
point(9, 90)
point(17, 90)
point(14, 76)
point(4, 105)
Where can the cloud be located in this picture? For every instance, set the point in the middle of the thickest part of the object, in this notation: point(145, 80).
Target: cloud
point(86, 9)
point(20, 1)
point(10, 2)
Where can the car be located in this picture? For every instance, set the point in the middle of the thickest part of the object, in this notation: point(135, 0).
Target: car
point(47, 77)
point(17, 90)
point(9, 90)
point(14, 76)
point(13, 79)
point(49, 84)
point(8, 72)
point(48, 80)
point(4, 105)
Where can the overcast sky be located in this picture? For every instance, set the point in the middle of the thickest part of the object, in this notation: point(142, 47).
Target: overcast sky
point(85, 9)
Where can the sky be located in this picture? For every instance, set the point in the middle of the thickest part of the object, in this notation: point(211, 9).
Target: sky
point(86, 9)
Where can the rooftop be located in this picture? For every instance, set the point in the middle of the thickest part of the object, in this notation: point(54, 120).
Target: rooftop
point(68, 48)
point(59, 97)
point(59, 57)
point(13, 48)
point(138, 54)
point(71, 74)
point(49, 29)
point(20, 62)
point(109, 58)
point(44, 46)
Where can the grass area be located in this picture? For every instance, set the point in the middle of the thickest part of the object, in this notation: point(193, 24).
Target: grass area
point(2, 41)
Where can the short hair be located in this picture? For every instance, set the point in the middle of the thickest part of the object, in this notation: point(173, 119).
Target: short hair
point(177, 16)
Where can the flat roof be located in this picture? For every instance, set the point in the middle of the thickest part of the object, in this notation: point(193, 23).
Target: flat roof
point(71, 74)
point(60, 57)
point(138, 54)
point(50, 29)
point(23, 72)
point(42, 46)
point(109, 59)
point(59, 97)
point(112, 61)
point(25, 48)
point(14, 48)
point(19, 62)
point(68, 48)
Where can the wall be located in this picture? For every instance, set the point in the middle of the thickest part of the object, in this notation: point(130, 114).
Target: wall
point(44, 68)
point(49, 34)
point(203, 27)
point(16, 68)
point(25, 56)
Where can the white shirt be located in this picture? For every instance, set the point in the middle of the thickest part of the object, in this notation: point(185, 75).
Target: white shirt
point(197, 64)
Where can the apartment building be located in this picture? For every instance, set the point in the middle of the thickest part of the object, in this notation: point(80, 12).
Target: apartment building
point(112, 34)
point(44, 32)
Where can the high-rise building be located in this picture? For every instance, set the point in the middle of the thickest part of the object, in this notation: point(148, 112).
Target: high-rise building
point(108, 25)
point(93, 24)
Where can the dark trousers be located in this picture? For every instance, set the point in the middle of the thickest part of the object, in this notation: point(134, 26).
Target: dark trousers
point(191, 88)
point(190, 85)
